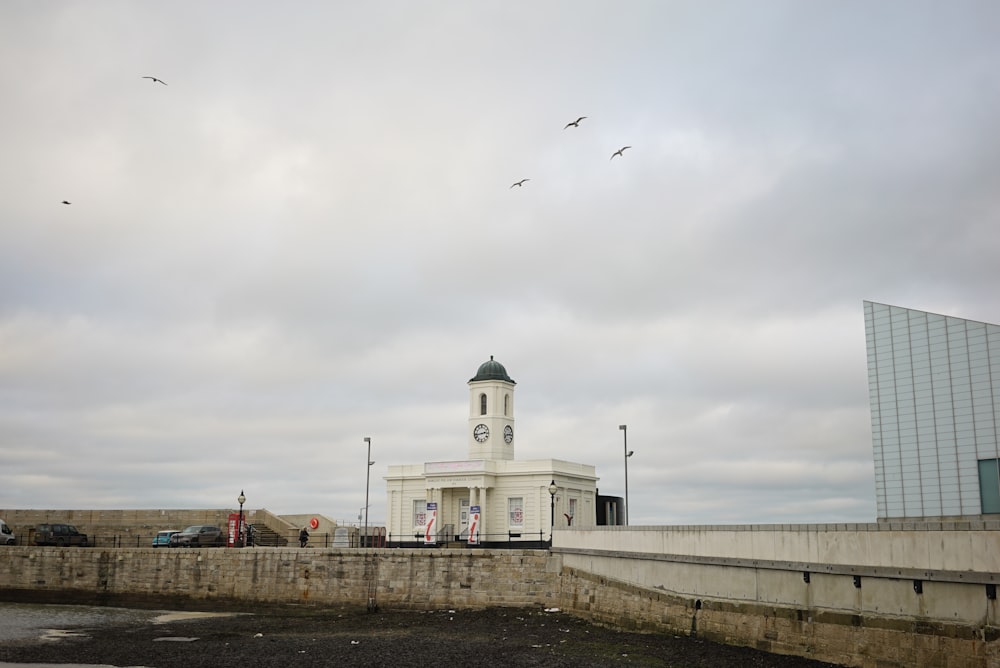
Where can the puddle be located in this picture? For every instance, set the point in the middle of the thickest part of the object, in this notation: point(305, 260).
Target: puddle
point(181, 616)
point(58, 634)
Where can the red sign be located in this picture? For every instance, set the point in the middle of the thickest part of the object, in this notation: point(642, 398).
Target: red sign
point(234, 528)
point(314, 523)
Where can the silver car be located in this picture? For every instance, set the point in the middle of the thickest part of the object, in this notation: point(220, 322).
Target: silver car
point(199, 536)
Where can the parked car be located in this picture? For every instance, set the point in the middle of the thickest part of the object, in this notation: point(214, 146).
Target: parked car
point(199, 536)
point(162, 538)
point(7, 536)
point(61, 535)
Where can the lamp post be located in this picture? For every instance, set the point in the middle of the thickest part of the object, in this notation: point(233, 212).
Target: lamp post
point(241, 499)
point(368, 475)
point(628, 453)
point(552, 508)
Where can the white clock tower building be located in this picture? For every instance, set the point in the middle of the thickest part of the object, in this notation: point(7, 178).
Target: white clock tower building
point(491, 412)
point(488, 498)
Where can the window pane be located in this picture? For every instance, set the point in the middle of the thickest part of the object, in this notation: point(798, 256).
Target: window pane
point(989, 485)
point(419, 513)
point(515, 507)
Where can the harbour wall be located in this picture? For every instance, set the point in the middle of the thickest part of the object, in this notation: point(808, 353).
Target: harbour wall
point(857, 595)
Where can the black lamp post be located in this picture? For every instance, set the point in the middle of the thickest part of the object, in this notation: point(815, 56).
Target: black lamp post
point(552, 508)
point(239, 529)
point(628, 453)
point(368, 475)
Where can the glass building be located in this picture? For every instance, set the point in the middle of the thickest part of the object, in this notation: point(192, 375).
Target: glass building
point(934, 388)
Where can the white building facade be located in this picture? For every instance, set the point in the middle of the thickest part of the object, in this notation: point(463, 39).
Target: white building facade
point(488, 497)
point(934, 388)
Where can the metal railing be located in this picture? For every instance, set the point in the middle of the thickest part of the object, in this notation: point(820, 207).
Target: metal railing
point(445, 538)
point(519, 540)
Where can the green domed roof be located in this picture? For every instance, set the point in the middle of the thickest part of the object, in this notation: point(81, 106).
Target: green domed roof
point(491, 370)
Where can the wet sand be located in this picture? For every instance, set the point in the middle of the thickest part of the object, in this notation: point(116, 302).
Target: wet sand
point(312, 637)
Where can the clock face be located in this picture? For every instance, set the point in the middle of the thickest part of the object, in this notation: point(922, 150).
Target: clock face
point(508, 433)
point(481, 433)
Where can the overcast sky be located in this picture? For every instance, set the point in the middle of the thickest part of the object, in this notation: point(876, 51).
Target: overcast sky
point(307, 235)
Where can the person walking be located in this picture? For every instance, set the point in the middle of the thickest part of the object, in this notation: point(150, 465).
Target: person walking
point(303, 537)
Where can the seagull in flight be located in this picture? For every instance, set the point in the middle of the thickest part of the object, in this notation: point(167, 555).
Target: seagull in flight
point(156, 80)
point(619, 152)
point(574, 124)
point(519, 183)
point(65, 202)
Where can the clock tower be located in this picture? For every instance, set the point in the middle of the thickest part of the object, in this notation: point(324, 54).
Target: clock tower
point(491, 412)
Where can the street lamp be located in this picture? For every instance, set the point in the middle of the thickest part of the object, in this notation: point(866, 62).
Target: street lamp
point(552, 508)
point(628, 453)
point(368, 475)
point(241, 499)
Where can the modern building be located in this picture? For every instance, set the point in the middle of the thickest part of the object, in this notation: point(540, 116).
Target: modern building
point(934, 388)
point(487, 496)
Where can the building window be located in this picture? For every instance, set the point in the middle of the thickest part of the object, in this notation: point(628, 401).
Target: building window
point(420, 512)
point(515, 509)
point(506, 405)
point(482, 404)
point(989, 485)
point(572, 510)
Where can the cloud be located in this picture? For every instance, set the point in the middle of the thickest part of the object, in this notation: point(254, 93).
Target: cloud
point(308, 237)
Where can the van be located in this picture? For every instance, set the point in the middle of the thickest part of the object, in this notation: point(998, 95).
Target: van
point(7, 536)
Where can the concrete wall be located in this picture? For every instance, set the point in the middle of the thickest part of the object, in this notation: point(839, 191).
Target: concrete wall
point(936, 546)
point(737, 585)
point(899, 594)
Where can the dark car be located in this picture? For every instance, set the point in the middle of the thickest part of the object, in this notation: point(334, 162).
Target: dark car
point(199, 536)
point(61, 535)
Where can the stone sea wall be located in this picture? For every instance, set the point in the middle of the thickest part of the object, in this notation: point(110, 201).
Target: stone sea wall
point(465, 578)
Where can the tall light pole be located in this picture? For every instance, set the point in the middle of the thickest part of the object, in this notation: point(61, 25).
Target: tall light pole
point(552, 508)
point(241, 499)
point(368, 475)
point(628, 453)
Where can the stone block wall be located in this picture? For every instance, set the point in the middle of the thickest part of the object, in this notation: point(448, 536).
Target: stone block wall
point(428, 579)
point(843, 639)
point(104, 523)
point(417, 579)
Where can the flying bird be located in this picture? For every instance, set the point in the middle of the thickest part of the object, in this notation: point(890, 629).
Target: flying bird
point(65, 202)
point(519, 183)
point(619, 152)
point(156, 80)
point(575, 124)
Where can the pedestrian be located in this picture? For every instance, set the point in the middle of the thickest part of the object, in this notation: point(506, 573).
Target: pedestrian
point(303, 537)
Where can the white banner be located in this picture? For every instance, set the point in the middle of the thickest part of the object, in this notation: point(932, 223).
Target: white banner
point(429, 528)
point(474, 525)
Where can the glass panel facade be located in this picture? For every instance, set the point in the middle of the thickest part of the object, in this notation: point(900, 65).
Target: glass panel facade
point(934, 409)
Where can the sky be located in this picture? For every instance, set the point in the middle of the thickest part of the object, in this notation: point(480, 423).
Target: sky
point(307, 234)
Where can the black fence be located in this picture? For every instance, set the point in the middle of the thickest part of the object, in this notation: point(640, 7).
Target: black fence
point(509, 540)
point(506, 540)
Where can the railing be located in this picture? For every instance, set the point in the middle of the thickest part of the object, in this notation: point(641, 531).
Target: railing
point(507, 540)
point(447, 537)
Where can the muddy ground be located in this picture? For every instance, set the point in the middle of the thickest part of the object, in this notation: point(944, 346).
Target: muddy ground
point(496, 637)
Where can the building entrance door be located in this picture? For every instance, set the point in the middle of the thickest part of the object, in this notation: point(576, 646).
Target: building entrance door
point(463, 516)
